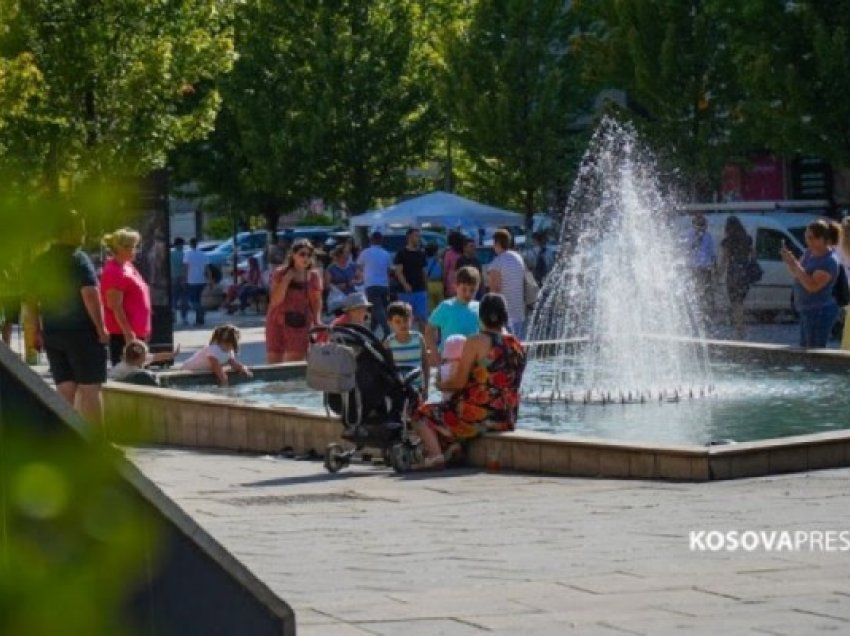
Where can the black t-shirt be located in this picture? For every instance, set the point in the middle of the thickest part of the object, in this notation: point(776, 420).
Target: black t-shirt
point(58, 275)
point(467, 261)
point(413, 267)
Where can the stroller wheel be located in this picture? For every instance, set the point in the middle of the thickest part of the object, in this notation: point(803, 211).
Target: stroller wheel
point(335, 458)
point(401, 457)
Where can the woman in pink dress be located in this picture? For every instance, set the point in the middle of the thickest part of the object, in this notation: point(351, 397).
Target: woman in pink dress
point(126, 296)
point(295, 305)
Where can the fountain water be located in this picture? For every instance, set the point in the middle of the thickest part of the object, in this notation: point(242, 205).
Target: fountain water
point(620, 286)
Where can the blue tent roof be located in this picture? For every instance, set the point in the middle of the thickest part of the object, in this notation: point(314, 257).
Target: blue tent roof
point(439, 208)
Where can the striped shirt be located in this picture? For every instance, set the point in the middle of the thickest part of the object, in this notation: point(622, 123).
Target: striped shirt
point(511, 267)
point(408, 354)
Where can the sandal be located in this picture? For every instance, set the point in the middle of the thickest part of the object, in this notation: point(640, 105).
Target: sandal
point(435, 462)
point(454, 453)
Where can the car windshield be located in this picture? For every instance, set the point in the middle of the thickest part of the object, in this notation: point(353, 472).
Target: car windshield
point(224, 248)
point(798, 233)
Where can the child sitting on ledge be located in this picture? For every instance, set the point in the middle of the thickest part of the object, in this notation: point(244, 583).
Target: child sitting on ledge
point(136, 358)
point(221, 351)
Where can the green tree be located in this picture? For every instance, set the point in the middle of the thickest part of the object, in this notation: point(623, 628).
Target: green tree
point(512, 95)
point(674, 61)
point(325, 100)
point(107, 88)
point(381, 114)
point(792, 58)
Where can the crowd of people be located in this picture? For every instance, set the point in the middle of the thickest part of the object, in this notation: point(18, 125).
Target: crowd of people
point(96, 325)
point(437, 311)
point(820, 275)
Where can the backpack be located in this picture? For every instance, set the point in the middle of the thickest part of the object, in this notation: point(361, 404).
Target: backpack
point(331, 367)
point(753, 271)
point(530, 288)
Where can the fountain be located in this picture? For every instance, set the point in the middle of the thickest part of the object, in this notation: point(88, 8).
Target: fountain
point(619, 382)
point(619, 286)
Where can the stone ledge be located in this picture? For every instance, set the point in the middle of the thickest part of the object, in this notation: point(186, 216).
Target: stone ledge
point(145, 415)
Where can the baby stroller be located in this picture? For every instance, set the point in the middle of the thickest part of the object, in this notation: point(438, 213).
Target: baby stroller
point(373, 398)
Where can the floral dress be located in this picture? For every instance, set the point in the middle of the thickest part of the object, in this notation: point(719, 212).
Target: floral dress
point(488, 402)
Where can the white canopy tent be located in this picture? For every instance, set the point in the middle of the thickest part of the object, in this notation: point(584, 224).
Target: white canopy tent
point(438, 208)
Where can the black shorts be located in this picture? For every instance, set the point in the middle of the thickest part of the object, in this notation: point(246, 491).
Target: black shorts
point(75, 357)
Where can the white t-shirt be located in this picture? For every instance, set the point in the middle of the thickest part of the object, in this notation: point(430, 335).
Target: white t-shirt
point(376, 263)
point(511, 267)
point(122, 370)
point(197, 261)
point(200, 359)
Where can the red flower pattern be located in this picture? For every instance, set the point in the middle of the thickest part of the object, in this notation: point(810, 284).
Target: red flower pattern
point(488, 402)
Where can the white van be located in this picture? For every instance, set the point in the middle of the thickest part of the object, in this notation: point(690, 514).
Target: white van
point(769, 230)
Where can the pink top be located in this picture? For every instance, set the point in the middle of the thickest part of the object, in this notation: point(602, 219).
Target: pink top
point(137, 299)
point(449, 266)
point(453, 347)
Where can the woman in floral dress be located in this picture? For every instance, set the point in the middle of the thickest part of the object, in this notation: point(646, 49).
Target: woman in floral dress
point(485, 384)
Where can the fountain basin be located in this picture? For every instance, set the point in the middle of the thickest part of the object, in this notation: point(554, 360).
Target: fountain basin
point(174, 416)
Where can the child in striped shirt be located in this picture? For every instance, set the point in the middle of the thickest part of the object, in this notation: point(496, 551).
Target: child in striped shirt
point(407, 345)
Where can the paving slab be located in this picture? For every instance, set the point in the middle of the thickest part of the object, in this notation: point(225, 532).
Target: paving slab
point(465, 552)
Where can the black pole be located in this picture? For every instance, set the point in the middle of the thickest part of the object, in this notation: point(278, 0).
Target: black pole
point(235, 243)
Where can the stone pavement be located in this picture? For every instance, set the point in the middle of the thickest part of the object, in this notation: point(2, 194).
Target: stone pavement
point(368, 552)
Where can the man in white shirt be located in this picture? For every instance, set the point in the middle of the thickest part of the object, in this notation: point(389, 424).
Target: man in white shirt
point(506, 276)
point(194, 266)
point(374, 265)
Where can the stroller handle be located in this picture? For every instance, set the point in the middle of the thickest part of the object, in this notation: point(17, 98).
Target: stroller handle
point(409, 378)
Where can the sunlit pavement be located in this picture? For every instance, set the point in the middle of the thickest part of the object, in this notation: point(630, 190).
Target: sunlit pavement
point(467, 552)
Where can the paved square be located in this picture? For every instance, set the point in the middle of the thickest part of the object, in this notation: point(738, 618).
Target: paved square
point(368, 552)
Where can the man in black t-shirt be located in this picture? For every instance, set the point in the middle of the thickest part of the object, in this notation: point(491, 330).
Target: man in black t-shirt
point(469, 258)
point(68, 314)
point(409, 266)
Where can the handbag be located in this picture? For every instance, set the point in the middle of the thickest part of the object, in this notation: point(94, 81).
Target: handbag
point(295, 319)
point(331, 368)
point(753, 271)
point(298, 319)
point(530, 288)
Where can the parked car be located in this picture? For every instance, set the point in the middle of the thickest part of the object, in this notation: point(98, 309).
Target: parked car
point(208, 246)
point(315, 234)
point(769, 230)
point(337, 237)
point(247, 243)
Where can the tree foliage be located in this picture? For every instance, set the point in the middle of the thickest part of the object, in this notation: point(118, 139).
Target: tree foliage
point(676, 64)
point(103, 88)
point(792, 59)
point(512, 96)
point(325, 100)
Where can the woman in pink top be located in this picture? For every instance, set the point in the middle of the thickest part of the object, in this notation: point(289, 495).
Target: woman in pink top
point(126, 296)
